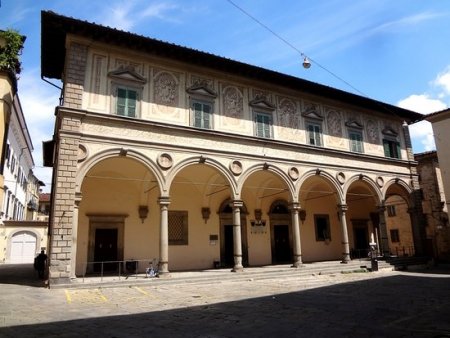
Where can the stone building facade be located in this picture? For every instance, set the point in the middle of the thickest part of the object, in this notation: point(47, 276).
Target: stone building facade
point(164, 152)
point(434, 205)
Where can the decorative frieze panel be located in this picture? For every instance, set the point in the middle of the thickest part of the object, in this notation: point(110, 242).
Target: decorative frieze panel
point(127, 64)
point(373, 135)
point(312, 110)
point(233, 105)
point(287, 114)
point(98, 82)
point(334, 126)
point(166, 88)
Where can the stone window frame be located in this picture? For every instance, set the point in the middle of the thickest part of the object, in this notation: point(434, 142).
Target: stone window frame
point(204, 102)
point(394, 235)
point(356, 146)
point(184, 239)
point(269, 124)
point(314, 123)
point(391, 212)
point(122, 85)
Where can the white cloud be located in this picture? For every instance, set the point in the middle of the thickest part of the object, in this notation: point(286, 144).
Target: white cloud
point(38, 100)
point(408, 21)
point(443, 81)
point(422, 133)
point(422, 103)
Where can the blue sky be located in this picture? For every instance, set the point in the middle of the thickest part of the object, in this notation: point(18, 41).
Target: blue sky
point(392, 51)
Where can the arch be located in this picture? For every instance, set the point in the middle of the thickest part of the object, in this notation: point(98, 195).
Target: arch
point(116, 152)
point(225, 207)
point(403, 189)
point(327, 177)
point(279, 207)
point(270, 168)
point(206, 161)
point(368, 182)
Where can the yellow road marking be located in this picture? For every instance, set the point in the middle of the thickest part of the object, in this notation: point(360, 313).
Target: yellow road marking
point(141, 291)
point(69, 299)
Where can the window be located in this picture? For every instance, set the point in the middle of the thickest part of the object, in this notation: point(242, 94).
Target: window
point(263, 124)
point(391, 148)
point(202, 114)
point(178, 227)
point(391, 210)
point(314, 135)
point(126, 101)
point(322, 224)
point(356, 141)
point(8, 154)
point(395, 237)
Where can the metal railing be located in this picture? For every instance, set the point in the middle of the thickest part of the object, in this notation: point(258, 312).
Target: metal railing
point(131, 268)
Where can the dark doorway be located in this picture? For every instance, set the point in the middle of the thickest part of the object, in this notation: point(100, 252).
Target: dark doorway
point(105, 249)
point(361, 241)
point(228, 253)
point(282, 248)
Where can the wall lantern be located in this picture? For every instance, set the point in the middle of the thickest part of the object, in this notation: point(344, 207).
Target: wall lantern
point(205, 214)
point(258, 221)
point(143, 212)
point(302, 214)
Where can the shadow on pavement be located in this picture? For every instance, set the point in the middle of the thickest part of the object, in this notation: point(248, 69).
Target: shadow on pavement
point(393, 306)
point(20, 274)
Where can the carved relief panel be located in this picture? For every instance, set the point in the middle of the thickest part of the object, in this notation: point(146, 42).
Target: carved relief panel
point(166, 93)
point(334, 126)
point(232, 106)
point(373, 135)
point(288, 117)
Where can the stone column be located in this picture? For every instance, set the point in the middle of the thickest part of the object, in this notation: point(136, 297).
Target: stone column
point(418, 230)
point(295, 208)
point(237, 239)
point(164, 238)
point(344, 232)
point(73, 257)
point(383, 231)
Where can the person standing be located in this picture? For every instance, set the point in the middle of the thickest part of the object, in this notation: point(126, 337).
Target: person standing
point(40, 263)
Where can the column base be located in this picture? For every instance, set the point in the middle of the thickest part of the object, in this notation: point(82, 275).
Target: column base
point(164, 275)
point(297, 265)
point(346, 259)
point(237, 269)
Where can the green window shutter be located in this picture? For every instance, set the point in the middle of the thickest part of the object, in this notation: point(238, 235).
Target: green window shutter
point(206, 116)
point(399, 154)
point(387, 152)
point(267, 123)
point(121, 101)
point(131, 103)
point(197, 108)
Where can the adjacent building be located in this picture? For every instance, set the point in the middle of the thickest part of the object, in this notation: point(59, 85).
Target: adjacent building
point(166, 152)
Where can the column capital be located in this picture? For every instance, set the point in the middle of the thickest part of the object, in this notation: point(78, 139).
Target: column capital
point(236, 203)
point(342, 207)
point(78, 198)
point(294, 206)
point(164, 200)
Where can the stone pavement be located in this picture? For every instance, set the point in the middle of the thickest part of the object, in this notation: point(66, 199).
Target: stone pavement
point(379, 304)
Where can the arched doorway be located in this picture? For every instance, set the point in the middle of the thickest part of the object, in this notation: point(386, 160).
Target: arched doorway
point(23, 247)
point(226, 234)
point(112, 225)
point(280, 234)
point(363, 216)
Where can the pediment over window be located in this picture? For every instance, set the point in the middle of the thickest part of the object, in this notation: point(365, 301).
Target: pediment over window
point(354, 124)
point(201, 90)
point(261, 103)
point(388, 131)
point(127, 74)
point(312, 114)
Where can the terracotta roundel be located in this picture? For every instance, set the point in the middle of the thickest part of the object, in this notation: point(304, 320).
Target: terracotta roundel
point(165, 161)
point(82, 153)
point(340, 176)
point(293, 173)
point(380, 181)
point(236, 167)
